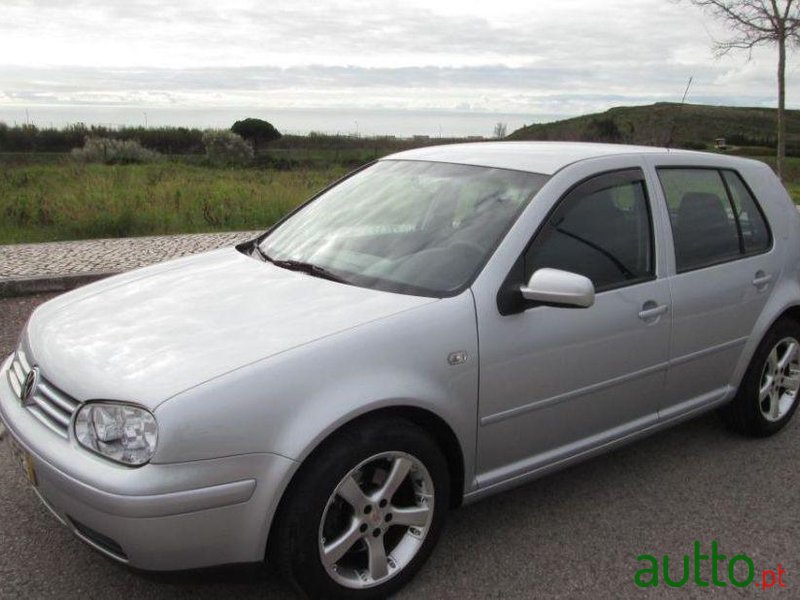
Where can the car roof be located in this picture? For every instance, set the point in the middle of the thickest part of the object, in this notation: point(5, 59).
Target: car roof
point(536, 157)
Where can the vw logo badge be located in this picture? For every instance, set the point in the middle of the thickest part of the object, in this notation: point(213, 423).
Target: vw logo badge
point(29, 385)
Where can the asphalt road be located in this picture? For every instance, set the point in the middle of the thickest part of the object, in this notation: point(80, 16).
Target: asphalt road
point(575, 534)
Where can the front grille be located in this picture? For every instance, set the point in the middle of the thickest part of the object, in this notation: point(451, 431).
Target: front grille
point(47, 403)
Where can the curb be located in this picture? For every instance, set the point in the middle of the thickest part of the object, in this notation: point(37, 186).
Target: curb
point(23, 286)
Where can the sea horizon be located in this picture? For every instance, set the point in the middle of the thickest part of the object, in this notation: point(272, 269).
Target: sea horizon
point(299, 121)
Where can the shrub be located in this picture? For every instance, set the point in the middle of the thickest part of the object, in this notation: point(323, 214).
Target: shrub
point(108, 151)
point(225, 148)
point(604, 130)
point(256, 131)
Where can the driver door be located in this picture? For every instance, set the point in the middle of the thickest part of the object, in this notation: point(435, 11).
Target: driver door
point(557, 382)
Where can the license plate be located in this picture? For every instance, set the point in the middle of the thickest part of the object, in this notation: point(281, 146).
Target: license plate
point(24, 460)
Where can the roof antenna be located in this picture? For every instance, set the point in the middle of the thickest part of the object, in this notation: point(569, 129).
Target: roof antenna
point(678, 112)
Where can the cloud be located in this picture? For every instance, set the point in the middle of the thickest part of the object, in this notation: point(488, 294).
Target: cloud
point(550, 56)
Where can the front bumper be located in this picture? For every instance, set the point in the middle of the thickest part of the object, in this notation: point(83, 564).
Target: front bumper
point(159, 516)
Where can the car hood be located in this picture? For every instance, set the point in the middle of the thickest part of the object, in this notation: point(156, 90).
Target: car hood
point(150, 334)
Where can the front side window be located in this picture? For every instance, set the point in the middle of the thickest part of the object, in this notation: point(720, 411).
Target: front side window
point(601, 230)
point(714, 217)
point(406, 226)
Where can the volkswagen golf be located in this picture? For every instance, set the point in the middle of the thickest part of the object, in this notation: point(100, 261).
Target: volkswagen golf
point(437, 327)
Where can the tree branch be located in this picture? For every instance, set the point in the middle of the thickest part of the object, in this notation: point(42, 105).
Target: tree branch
point(746, 15)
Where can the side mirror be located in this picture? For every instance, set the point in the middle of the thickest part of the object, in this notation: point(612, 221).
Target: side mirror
point(561, 288)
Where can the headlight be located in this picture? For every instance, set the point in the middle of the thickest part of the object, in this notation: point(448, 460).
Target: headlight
point(124, 433)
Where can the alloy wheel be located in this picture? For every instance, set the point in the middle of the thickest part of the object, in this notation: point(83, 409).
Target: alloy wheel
point(780, 380)
point(376, 520)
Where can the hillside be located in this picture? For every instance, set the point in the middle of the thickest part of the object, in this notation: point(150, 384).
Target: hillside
point(695, 126)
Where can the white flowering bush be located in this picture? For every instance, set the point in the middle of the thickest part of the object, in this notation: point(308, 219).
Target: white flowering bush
point(109, 151)
point(224, 148)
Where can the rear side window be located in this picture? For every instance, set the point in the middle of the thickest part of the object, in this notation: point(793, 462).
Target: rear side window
point(601, 230)
point(714, 217)
point(754, 228)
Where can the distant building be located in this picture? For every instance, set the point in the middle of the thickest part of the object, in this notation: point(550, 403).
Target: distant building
point(720, 144)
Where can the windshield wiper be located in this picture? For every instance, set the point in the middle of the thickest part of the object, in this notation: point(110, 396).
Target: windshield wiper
point(305, 267)
point(299, 265)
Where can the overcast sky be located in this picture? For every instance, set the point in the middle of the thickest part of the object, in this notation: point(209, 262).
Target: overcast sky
point(536, 57)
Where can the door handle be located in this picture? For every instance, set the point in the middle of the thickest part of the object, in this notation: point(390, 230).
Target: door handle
point(762, 280)
point(652, 311)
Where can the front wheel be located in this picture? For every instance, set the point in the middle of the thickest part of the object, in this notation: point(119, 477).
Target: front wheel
point(767, 397)
point(365, 512)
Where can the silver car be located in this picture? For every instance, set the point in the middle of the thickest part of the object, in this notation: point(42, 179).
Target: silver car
point(437, 327)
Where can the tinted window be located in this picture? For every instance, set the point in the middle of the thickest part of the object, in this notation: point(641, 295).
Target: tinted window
point(602, 230)
point(709, 225)
point(754, 228)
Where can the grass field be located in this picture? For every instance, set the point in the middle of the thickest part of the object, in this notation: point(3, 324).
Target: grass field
point(50, 198)
point(67, 201)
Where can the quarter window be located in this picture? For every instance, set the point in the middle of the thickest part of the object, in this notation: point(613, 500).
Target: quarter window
point(754, 228)
point(714, 217)
point(601, 230)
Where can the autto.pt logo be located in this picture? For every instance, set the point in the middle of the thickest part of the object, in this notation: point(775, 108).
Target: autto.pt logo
point(707, 568)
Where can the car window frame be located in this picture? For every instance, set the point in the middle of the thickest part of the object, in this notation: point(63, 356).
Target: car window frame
point(743, 253)
point(510, 300)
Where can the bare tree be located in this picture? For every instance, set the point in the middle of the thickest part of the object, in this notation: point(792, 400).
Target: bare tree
point(757, 22)
point(500, 130)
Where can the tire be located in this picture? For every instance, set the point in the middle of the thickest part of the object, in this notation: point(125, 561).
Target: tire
point(767, 397)
point(342, 504)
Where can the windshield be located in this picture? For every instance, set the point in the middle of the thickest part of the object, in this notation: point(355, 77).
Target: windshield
point(406, 226)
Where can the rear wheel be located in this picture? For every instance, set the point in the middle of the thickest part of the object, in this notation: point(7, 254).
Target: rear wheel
point(364, 514)
point(767, 398)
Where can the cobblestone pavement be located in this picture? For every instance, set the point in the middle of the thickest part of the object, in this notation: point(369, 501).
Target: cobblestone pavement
point(107, 255)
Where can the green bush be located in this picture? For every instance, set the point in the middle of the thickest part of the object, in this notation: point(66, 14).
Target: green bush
point(256, 131)
point(111, 152)
point(29, 138)
point(226, 149)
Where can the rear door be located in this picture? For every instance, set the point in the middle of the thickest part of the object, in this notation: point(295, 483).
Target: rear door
point(724, 269)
